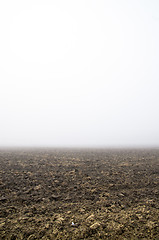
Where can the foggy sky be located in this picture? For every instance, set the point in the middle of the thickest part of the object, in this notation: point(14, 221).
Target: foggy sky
point(79, 73)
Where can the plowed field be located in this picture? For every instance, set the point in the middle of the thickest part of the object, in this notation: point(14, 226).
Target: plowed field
point(79, 194)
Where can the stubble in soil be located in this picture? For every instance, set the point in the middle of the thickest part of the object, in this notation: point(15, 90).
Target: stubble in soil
point(79, 194)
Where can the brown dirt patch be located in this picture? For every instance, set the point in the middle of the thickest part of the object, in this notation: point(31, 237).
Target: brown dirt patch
point(79, 194)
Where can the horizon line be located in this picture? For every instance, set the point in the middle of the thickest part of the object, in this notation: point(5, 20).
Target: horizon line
point(79, 146)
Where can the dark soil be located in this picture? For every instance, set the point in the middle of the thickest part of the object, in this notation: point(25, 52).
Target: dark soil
point(79, 194)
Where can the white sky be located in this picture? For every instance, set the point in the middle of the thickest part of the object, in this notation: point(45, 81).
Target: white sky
point(79, 73)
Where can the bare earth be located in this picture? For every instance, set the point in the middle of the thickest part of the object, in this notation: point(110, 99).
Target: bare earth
point(79, 194)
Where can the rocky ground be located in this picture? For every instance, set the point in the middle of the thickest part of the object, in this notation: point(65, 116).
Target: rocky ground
point(79, 194)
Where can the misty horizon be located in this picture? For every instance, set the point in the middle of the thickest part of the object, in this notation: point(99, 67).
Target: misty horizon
point(79, 74)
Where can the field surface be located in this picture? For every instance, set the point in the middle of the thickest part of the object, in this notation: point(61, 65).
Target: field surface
point(79, 194)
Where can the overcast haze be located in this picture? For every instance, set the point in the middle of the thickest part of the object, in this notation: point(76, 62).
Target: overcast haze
point(79, 73)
